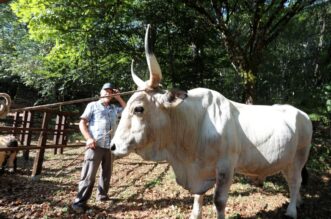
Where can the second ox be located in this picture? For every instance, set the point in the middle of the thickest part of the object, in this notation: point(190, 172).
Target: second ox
point(207, 138)
point(8, 157)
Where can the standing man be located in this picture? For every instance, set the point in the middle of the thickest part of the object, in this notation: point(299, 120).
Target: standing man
point(95, 125)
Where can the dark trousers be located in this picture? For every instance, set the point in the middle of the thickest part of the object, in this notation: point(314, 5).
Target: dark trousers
point(92, 161)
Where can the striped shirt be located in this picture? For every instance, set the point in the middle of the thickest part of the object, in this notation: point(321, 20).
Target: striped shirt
point(101, 118)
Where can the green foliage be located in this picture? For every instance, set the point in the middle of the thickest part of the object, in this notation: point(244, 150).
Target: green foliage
point(327, 92)
point(296, 68)
point(81, 42)
point(317, 117)
point(320, 155)
point(68, 49)
point(247, 29)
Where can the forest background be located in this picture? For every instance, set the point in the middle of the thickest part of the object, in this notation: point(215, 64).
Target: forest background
point(261, 52)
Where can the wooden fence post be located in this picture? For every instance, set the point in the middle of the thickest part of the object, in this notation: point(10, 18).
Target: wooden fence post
point(16, 121)
point(28, 135)
point(64, 134)
point(38, 161)
point(23, 125)
point(57, 131)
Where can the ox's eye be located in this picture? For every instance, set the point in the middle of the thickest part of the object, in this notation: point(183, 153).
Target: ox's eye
point(138, 110)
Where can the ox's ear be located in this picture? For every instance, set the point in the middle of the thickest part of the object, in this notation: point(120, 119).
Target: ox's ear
point(173, 98)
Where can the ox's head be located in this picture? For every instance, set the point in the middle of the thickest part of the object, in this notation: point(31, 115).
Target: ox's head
point(145, 124)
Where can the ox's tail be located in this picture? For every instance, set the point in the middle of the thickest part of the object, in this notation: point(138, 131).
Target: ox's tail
point(305, 176)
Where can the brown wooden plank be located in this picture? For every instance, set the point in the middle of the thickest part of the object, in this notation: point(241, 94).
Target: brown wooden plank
point(22, 135)
point(19, 129)
point(35, 147)
point(27, 140)
point(56, 137)
point(39, 159)
point(64, 135)
point(16, 121)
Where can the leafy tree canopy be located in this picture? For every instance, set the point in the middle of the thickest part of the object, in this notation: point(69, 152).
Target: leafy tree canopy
point(67, 49)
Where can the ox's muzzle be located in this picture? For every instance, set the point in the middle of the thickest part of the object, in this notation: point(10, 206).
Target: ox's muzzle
point(113, 147)
point(116, 153)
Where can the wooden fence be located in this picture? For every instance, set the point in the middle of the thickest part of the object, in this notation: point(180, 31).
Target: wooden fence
point(49, 128)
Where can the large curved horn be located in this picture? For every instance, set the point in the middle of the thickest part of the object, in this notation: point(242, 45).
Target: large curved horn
point(140, 83)
point(4, 108)
point(155, 74)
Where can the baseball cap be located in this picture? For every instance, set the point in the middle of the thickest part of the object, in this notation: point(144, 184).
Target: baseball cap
point(107, 86)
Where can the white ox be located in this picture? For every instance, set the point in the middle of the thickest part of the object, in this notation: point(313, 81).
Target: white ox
point(207, 138)
point(8, 141)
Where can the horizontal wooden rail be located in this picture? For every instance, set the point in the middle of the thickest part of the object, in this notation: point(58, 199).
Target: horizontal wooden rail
point(34, 147)
point(9, 129)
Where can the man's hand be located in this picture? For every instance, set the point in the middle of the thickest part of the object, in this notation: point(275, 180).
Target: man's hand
point(116, 91)
point(118, 97)
point(91, 143)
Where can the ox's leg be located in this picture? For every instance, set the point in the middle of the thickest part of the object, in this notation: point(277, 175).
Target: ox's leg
point(2, 159)
point(197, 207)
point(223, 182)
point(11, 160)
point(293, 178)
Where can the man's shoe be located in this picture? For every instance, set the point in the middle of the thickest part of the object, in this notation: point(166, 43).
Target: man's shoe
point(78, 208)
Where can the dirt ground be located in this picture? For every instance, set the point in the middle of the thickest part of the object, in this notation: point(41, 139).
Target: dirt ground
point(142, 189)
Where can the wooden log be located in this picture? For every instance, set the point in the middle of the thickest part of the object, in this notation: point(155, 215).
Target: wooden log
point(56, 137)
point(39, 159)
point(35, 147)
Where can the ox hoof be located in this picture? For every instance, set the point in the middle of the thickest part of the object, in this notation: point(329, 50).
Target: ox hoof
point(290, 215)
point(36, 178)
point(195, 216)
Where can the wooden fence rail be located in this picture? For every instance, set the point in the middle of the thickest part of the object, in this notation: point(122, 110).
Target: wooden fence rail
point(36, 147)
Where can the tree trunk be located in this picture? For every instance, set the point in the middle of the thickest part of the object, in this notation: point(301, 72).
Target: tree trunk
point(249, 93)
point(249, 78)
point(318, 60)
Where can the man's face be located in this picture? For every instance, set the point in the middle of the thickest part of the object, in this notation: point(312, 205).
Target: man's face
point(107, 92)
